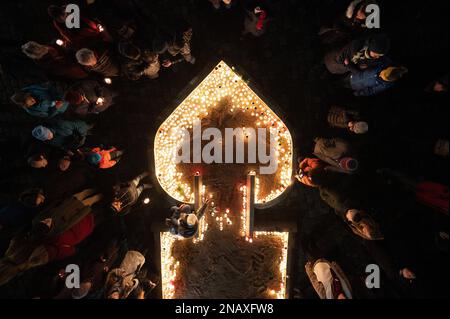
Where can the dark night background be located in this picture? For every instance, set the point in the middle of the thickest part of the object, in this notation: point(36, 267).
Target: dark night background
point(286, 66)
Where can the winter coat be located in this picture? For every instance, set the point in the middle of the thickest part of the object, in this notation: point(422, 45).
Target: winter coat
point(339, 117)
point(432, 195)
point(128, 195)
point(46, 98)
point(182, 45)
point(368, 82)
point(336, 200)
point(88, 33)
point(59, 64)
point(63, 246)
point(106, 161)
point(68, 134)
point(332, 150)
point(356, 53)
point(107, 65)
point(307, 166)
point(255, 24)
point(92, 91)
point(64, 214)
point(147, 64)
point(319, 286)
point(124, 279)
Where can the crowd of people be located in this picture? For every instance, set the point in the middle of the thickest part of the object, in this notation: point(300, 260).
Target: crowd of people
point(42, 226)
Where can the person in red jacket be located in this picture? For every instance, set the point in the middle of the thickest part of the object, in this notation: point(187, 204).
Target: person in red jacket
point(104, 159)
point(90, 31)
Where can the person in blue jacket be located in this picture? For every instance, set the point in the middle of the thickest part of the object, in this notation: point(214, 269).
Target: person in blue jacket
point(376, 80)
point(42, 101)
point(66, 135)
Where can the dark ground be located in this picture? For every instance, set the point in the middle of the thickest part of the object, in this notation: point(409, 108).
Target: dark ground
point(285, 65)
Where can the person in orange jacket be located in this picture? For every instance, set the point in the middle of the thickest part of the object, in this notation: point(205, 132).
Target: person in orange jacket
point(307, 169)
point(104, 159)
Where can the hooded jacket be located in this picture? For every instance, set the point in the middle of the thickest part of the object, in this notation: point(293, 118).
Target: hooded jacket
point(46, 98)
point(68, 134)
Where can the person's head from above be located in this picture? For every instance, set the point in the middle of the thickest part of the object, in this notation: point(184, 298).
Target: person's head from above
point(367, 227)
point(38, 161)
point(58, 13)
point(130, 51)
point(439, 87)
point(361, 9)
point(42, 229)
point(393, 74)
point(191, 220)
point(116, 206)
point(349, 164)
point(83, 291)
point(24, 99)
point(86, 57)
point(160, 43)
point(94, 158)
point(64, 163)
point(42, 133)
point(34, 50)
point(73, 97)
point(358, 127)
point(32, 198)
point(378, 46)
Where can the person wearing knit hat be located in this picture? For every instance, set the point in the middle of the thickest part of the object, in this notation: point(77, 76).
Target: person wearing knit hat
point(378, 45)
point(393, 74)
point(104, 159)
point(358, 127)
point(42, 133)
point(44, 101)
point(34, 50)
point(349, 164)
point(376, 80)
point(66, 135)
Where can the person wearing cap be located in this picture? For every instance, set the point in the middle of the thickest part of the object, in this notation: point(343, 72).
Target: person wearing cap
point(376, 80)
point(66, 135)
point(89, 97)
point(343, 118)
point(126, 195)
point(91, 31)
point(43, 101)
point(54, 61)
point(360, 54)
point(104, 159)
point(329, 280)
point(217, 3)
point(184, 221)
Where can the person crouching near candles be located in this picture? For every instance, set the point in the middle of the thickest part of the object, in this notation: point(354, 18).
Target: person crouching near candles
point(89, 97)
point(184, 221)
point(104, 159)
point(126, 195)
point(256, 21)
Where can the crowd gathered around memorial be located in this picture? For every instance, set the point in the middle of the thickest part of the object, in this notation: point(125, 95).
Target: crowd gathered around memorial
point(49, 221)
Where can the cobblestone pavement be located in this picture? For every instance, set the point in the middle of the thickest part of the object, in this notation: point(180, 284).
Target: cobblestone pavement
point(285, 65)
